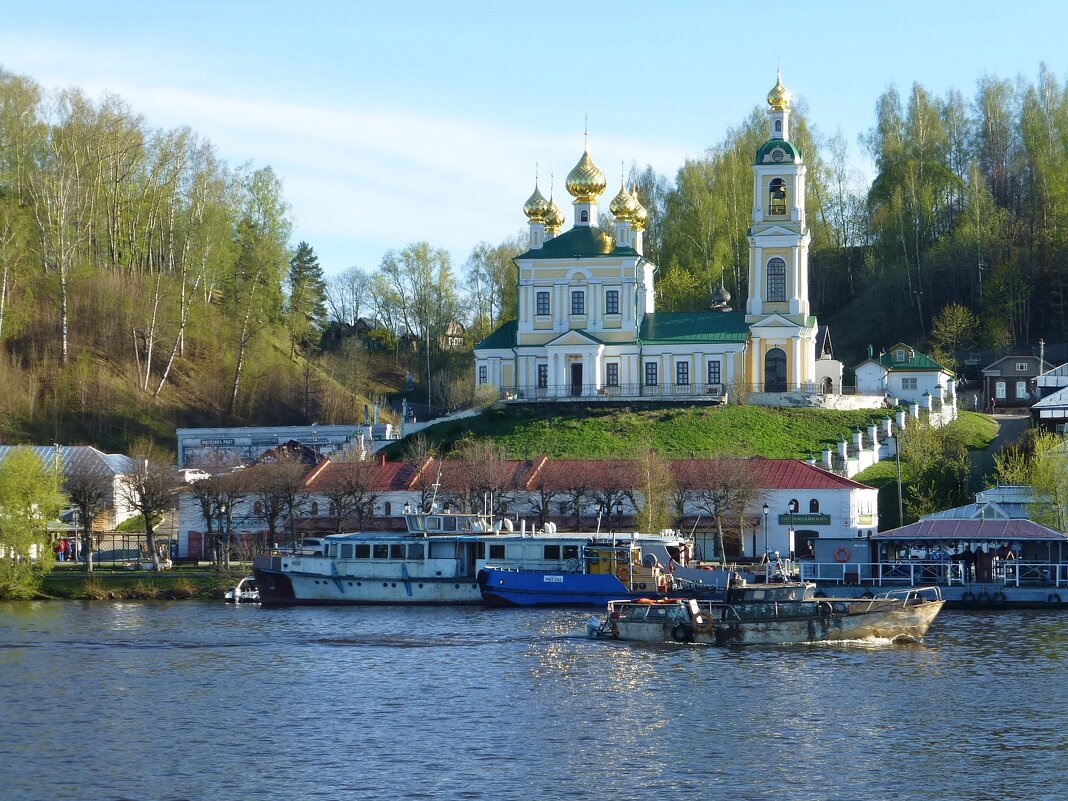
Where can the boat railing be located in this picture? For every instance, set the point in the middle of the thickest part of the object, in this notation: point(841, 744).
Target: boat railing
point(923, 572)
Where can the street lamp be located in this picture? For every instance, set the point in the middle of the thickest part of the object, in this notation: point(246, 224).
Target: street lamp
point(619, 514)
point(765, 531)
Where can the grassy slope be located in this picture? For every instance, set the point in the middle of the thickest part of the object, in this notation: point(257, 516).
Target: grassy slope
point(676, 431)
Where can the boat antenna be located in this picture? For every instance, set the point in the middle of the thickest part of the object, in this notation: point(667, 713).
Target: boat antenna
point(434, 495)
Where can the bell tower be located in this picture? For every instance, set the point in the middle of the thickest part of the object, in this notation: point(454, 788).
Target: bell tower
point(777, 310)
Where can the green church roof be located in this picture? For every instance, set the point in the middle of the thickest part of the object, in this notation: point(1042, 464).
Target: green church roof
point(793, 152)
point(703, 326)
point(503, 337)
point(581, 241)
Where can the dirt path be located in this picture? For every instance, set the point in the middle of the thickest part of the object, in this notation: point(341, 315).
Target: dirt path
point(1011, 427)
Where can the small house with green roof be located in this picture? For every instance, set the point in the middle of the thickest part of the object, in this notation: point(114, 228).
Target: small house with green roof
point(902, 372)
point(588, 325)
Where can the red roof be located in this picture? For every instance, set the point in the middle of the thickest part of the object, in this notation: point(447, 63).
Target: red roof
point(974, 529)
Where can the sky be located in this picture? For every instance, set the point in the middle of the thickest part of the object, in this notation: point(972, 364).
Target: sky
point(396, 122)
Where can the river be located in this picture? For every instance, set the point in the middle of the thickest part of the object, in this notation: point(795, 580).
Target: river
point(188, 700)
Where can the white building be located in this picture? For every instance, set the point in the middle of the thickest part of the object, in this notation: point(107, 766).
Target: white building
point(904, 373)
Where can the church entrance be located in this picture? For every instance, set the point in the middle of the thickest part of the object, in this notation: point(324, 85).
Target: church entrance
point(576, 379)
point(775, 370)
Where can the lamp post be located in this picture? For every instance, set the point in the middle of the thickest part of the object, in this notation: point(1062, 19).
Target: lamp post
point(619, 514)
point(765, 531)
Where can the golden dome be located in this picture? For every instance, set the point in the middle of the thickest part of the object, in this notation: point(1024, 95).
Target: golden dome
point(779, 96)
point(586, 181)
point(623, 204)
point(536, 207)
point(639, 215)
point(554, 218)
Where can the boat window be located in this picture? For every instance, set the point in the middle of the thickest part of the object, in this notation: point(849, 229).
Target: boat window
point(415, 552)
point(331, 551)
point(433, 524)
point(416, 522)
point(346, 550)
point(496, 552)
point(381, 551)
point(756, 595)
point(552, 552)
point(363, 550)
point(448, 524)
point(571, 552)
point(396, 551)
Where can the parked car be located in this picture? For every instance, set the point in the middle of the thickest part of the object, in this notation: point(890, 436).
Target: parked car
point(312, 546)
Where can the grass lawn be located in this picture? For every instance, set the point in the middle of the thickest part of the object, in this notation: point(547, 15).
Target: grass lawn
point(565, 431)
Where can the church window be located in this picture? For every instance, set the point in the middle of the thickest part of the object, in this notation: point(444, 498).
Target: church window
point(584, 216)
point(611, 301)
point(713, 372)
point(611, 374)
point(542, 304)
point(543, 376)
point(776, 280)
point(650, 374)
point(482, 374)
point(682, 373)
point(578, 302)
point(778, 126)
point(999, 390)
point(777, 192)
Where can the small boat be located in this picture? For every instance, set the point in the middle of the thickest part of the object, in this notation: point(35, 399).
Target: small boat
point(772, 614)
point(244, 593)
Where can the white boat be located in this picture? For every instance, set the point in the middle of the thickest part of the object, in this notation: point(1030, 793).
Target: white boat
point(437, 560)
point(772, 614)
point(244, 593)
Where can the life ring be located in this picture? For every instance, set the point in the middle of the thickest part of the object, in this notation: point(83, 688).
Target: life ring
point(702, 622)
point(968, 598)
point(681, 632)
point(841, 555)
point(1053, 598)
point(999, 598)
point(824, 608)
point(983, 598)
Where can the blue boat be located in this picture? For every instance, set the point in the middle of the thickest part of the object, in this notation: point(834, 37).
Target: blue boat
point(606, 568)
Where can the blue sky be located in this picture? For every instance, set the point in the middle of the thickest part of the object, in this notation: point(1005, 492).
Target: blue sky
point(396, 122)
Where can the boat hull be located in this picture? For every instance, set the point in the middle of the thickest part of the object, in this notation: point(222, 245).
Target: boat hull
point(840, 620)
point(537, 588)
point(293, 588)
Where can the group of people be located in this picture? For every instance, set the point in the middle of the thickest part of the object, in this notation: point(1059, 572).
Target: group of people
point(978, 565)
point(66, 549)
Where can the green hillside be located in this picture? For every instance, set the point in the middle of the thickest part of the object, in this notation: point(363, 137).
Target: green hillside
point(675, 431)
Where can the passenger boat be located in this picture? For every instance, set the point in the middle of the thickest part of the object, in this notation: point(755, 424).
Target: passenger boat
point(244, 592)
point(978, 562)
point(582, 570)
point(772, 614)
point(438, 559)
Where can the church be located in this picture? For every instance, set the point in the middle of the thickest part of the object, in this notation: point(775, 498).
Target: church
point(588, 327)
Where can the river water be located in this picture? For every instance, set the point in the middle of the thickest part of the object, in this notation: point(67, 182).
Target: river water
point(189, 700)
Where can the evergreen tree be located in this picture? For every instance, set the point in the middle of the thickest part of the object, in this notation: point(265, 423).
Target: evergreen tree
point(306, 310)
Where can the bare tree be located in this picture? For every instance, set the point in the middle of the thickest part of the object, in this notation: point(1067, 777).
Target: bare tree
point(727, 488)
point(150, 488)
point(651, 490)
point(274, 485)
point(88, 491)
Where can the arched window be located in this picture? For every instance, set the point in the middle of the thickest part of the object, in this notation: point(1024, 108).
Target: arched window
point(814, 506)
point(778, 126)
point(777, 196)
point(776, 280)
point(585, 216)
point(315, 508)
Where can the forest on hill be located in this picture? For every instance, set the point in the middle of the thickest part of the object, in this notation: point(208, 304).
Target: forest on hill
point(146, 284)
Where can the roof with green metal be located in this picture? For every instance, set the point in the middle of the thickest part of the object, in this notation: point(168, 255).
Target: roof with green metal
point(914, 360)
point(580, 241)
point(503, 337)
point(702, 326)
point(793, 152)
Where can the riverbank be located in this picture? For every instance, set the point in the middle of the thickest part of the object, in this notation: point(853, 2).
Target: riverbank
point(117, 584)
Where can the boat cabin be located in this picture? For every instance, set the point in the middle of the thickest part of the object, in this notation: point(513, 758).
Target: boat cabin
point(771, 593)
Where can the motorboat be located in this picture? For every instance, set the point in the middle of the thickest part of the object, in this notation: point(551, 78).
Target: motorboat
point(772, 614)
point(593, 571)
point(244, 592)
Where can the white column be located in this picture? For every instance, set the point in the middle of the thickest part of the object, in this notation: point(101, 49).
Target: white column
point(795, 358)
point(795, 275)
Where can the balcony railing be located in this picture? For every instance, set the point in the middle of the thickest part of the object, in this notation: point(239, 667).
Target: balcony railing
point(696, 391)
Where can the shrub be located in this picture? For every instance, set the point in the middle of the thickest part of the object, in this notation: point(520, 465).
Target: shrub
point(144, 589)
